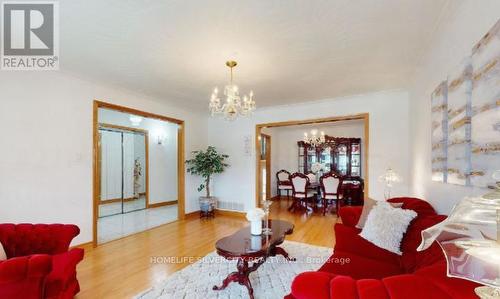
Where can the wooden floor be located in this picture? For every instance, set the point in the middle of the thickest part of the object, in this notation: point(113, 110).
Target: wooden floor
point(123, 268)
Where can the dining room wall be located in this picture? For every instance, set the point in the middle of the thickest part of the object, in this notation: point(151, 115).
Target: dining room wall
point(284, 148)
point(389, 140)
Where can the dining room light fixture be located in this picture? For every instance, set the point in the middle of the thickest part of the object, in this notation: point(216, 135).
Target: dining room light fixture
point(313, 139)
point(235, 105)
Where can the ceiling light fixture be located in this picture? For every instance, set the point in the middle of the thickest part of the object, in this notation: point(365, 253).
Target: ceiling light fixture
point(234, 105)
point(313, 139)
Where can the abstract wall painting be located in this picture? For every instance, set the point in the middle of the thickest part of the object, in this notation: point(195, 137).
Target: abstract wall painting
point(439, 133)
point(466, 118)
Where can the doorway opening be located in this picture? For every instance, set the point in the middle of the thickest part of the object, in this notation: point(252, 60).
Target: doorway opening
point(138, 171)
point(337, 145)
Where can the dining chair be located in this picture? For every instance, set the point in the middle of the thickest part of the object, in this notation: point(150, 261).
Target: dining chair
point(330, 188)
point(300, 192)
point(283, 183)
point(311, 176)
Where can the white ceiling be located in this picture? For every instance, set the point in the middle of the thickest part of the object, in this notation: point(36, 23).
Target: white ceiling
point(288, 50)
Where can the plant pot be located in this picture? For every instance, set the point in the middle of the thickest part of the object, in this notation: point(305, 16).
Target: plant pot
point(207, 204)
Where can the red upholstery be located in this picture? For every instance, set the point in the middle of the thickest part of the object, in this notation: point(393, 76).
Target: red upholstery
point(38, 263)
point(375, 273)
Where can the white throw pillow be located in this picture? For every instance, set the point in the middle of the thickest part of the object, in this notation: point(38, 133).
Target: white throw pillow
point(385, 226)
point(3, 256)
point(367, 207)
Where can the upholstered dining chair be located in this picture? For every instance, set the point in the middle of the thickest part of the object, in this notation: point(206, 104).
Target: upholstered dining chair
point(330, 188)
point(283, 182)
point(300, 191)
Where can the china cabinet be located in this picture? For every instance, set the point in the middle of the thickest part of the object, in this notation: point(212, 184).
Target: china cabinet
point(339, 154)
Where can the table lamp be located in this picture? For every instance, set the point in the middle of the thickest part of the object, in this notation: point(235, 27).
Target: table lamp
point(470, 239)
point(389, 178)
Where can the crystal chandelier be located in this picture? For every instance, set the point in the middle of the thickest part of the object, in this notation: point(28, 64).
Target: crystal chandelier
point(234, 105)
point(314, 139)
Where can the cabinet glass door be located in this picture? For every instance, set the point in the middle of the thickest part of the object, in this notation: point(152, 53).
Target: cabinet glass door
point(355, 159)
point(341, 159)
point(325, 158)
point(301, 158)
point(311, 158)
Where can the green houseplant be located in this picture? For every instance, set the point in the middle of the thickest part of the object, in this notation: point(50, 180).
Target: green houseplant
point(206, 164)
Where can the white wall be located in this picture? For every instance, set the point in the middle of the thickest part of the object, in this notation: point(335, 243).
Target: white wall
point(284, 148)
point(464, 23)
point(162, 158)
point(389, 129)
point(46, 165)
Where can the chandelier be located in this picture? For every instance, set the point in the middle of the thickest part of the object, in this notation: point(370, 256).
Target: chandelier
point(314, 139)
point(234, 104)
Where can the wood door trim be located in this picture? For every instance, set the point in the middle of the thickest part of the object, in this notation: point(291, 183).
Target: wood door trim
point(123, 128)
point(95, 138)
point(361, 116)
point(162, 204)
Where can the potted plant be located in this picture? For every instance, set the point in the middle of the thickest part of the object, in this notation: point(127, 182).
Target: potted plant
point(206, 164)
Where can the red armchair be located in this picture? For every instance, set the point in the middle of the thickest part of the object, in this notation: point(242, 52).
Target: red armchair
point(38, 263)
point(369, 272)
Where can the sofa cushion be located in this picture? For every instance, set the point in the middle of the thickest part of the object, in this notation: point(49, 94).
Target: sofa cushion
point(359, 266)
point(343, 287)
point(455, 288)
point(386, 226)
point(312, 285)
point(371, 288)
point(348, 240)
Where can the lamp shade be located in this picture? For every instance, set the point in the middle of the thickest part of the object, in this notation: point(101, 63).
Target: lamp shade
point(470, 241)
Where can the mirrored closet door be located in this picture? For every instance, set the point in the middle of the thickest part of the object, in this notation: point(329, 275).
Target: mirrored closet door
point(137, 173)
point(123, 170)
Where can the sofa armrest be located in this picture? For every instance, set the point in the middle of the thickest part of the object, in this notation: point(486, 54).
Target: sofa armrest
point(350, 215)
point(27, 239)
point(65, 267)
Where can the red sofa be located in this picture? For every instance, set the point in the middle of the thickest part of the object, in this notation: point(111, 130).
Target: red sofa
point(38, 263)
point(375, 273)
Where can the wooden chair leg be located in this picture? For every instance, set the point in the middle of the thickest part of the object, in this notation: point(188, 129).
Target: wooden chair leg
point(324, 206)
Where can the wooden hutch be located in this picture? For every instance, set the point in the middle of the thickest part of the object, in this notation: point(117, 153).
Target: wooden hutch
point(339, 154)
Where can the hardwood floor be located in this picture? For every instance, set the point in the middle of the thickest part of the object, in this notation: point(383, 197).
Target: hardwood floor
point(124, 268)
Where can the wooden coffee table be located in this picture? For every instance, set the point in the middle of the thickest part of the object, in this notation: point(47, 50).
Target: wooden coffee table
point(252, 249)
